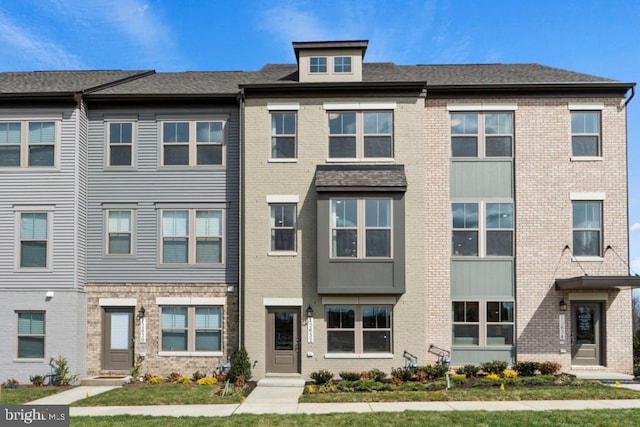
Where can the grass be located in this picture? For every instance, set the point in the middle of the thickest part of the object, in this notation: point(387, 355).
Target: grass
point(603, 417)
point(160, 394)
point(583, 392)
point(16, 396)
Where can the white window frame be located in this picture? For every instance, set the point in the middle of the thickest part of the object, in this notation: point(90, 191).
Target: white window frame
point(108, 231)
point(483, 228)
point(597, 134)
point(359, 135)
point(361, 228)
point(483, 322)
point(274, 227)
point(481, 135)
point(19, 335)
point(358, 330)
point(24, 143)
point(342, 58)
point(191, 304)
point(600, 230)
point(275, 135)
point(131, 145)
point(192, 237)
point(318, 66)
point(48, 211)
point(192, 142)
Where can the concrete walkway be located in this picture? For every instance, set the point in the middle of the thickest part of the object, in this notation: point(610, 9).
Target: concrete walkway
point(274, 397)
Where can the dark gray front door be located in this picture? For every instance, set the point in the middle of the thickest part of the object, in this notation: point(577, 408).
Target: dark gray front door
point(586, 338)
point(117, 345)
point(283, 340)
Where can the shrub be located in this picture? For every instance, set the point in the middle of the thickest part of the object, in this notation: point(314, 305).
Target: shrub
point(197, 375)
point(494, 367)
point(402, 374)
point(240, 381)
point(468, 370)
point(135, 369)
point(322, 377)
point(240, 366)
point(328, 387)
point(10, 383)
point(173, 376)
point(458, 379)
point(377, 375)
point(63, 375)
point(526, 369)
point(636, 370)
point(365, 385)
point(508, 373)
point(37, 380)
point(154, 380)
point(206, 381)
point(183, 379)
point(548, 368)
point(433, 372)
point(349, 376)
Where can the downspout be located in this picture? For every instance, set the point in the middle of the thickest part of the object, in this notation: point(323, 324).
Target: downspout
point(240, 98)
point(633, 93)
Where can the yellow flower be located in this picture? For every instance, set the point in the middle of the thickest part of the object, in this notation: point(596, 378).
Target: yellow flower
point(492, 377)
point(510, 374)
point(310, 389)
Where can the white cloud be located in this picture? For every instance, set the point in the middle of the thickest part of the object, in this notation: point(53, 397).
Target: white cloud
point(27, 50)
point(635, 227)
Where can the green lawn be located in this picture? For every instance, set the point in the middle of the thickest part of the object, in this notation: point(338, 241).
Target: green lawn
point(605, 417)
point(16, 396)
point(161, 394)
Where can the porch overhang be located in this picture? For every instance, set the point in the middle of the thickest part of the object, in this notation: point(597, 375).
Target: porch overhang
point(360, 178)
point(597, 283)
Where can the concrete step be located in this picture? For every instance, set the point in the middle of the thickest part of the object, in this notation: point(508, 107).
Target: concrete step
point(599, 375)
point(106, 380)
point(296, 381)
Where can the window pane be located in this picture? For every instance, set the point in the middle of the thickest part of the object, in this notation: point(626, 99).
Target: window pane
point(499, 243)
point(208, 317)
point(344, 213)
point(378, 243)
point(464, 146)
point(342, 64)
point(342, 123)
point(465, 243)
point(586, 214)
point(465, 215)
point(341, 342)
point(42, 132)
point(586, 243)
point(493, 312)
point(119, 221)
point(176, 155)
point(174, 317)
point(120, 156)
point(283, 123)
point(283, 148)
point(507, 311)
point(376, 317)
point(41, 155)
point(33, 226)
point(498, 146)
point(344, 243)
point(175, 223)
point(376, 341)
point(175, 250)
point(31, 347)
point(175, 132)
point(174, 340)
point(585, 122)
point(340, 317)
point(119, 243)
point(318, 65)
point(465, 334)
point(209, 132)
point(30, 323)
point(466, 311)
point(209, 154)
point(10, 133)
point(208, 223)
point(499, 334)
point(377, 146)
point(464, 123)
point(208, 340)
point(378, 213)
point(499, 215)
point(283, 240)
point(376, 123)
point(9, 155)
point(585, 146)
point(498, 123)
point(342, 147)
point(33, 254)
point(208, 250)
point(174, 324)
point(120, 133)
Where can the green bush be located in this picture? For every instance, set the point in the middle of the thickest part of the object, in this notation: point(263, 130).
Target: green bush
point(349, 376)
point(403, 374)
point(197, 375)
point(240, 365)
point(322, 377)
point(37, 380)
point(636, 347)
point(137, 366)
point(433, 372)
point(63, 375)
point(636, 370)
point(494, 367)
point(377, 375)
point(10, 383)
point(548, 368)
point(173, 376)
point(526, 369)
point(468, 370)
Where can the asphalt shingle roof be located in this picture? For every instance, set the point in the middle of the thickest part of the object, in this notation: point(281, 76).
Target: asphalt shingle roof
point(59, 81)
point(187, 83)
point(379, 177)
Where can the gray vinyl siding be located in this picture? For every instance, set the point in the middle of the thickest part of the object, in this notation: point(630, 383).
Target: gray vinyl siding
point(147, 186)
point(482, 278)
point(81, 198)
point(482, 179)
point(31, 186)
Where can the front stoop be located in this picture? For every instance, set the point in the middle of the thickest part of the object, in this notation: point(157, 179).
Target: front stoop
point(598, 374)
point(282, 381)
point(107, 380)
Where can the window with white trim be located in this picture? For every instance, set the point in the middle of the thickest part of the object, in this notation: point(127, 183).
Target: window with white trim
point(360, 134)
point(318, 64)
point(193, 143)
point(31, 334)
point(192, 236)
point(27, 143)
point(34, 239)
point(283, 135)
point(483, 323)
point(342, 64)
point(587, 228)
point(283, 227)
point(361, 228)
point(119, 232)
point(481, 134)
point(191, 328)
point(482, 229)
point(359, 328)
point(120, 143)
point(585, 133)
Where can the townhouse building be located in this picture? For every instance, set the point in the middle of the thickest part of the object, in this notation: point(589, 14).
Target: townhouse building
point(328, 214)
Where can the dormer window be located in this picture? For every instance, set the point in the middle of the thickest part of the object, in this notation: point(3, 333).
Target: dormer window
point(342, 64)
point(318, 64)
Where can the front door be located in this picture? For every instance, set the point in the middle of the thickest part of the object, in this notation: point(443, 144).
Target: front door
point(283, 340)
point(117, 344)
point(586, 338)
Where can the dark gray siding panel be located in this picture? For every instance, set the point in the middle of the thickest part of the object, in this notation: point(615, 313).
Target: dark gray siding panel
point(362, 276)
point(482, 278)
point(475, 356)
point(482, 179)
point(146, 186)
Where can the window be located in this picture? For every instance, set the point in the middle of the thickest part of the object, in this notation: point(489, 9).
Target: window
point(192, 329)
point(342, 64)
point(318, 64)
point(359, 329)
point(34, 243)
point(192, 236)
point(361, 223)
point(473, 237)
point(283, 135)
point(31, 333)
point(361, 134)
point(587, 228)
point(192, 143)
point(481, 134)
point(483, 323)
point(119, 232)
point(585, 133)
point(27, 144)
point(283, 227)
point(120, 144)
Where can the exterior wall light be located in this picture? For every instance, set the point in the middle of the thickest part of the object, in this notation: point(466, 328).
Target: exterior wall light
point(309, 312)
point(141, 312)
point(563, 305)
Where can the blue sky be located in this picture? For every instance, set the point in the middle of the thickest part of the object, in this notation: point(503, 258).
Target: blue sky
point(588, 36)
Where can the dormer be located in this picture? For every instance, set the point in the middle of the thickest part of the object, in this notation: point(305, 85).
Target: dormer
point(330, 61)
